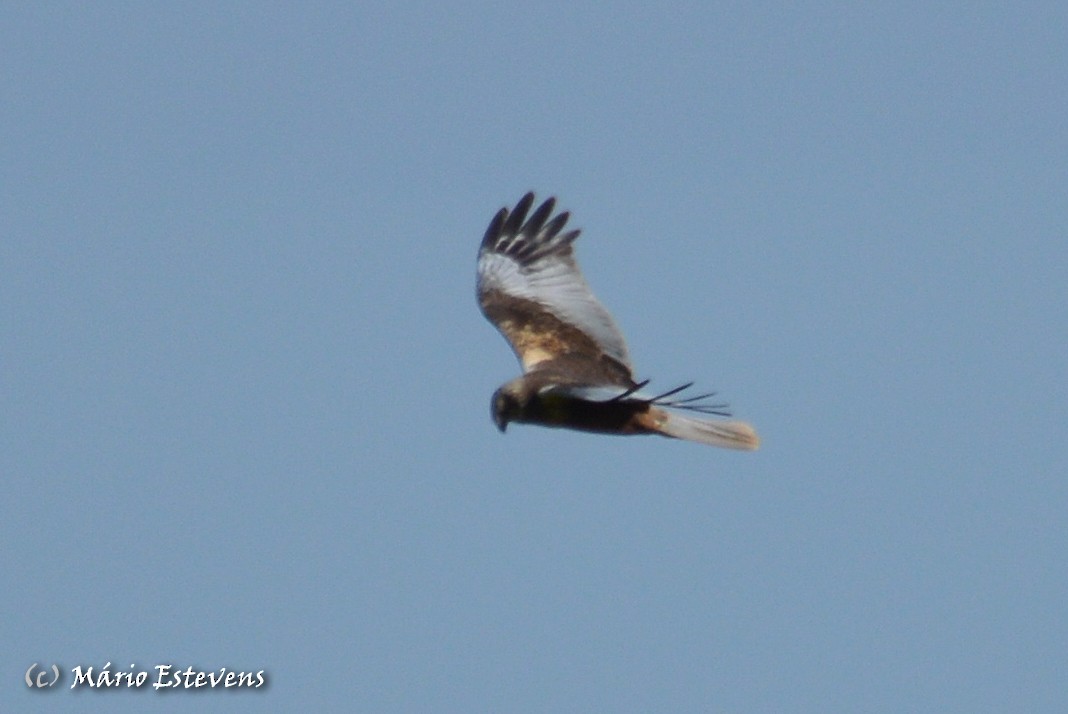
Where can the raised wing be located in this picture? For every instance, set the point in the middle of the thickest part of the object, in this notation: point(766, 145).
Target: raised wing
point(531, 289)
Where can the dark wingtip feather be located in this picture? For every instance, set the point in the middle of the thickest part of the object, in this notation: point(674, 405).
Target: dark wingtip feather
point(519, 214)
point(493, 232)
point(534, 224)
point(570, 236)
point(690, 404)
point(631, 390)
point(554, 226)
point(659, 399)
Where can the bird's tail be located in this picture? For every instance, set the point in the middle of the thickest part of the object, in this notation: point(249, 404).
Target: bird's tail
point(717, 432)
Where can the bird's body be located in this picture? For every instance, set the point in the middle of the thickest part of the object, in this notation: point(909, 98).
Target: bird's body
point(576, 370)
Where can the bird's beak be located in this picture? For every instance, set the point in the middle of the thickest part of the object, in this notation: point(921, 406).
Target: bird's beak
point(500, 421)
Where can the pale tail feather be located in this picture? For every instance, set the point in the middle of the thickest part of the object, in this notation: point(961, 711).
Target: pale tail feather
point(728, 434)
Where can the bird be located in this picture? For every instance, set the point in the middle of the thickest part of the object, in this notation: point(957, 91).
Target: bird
point(577, 373)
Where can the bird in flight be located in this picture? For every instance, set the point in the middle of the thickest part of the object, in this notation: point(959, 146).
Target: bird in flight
point(576, 371)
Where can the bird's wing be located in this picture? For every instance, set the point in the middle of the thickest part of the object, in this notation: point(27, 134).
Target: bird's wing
point(729, 434)
point(531, 289)
point(637, 394)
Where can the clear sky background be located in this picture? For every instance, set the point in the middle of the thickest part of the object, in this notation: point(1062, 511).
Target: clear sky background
point(244, 384)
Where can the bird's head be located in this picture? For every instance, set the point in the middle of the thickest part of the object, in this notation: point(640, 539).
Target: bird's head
point(506, 406)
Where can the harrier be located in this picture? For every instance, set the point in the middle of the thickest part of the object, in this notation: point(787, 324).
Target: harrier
point(576, 371)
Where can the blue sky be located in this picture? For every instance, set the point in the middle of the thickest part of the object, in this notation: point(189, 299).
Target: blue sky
point(244, 385)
